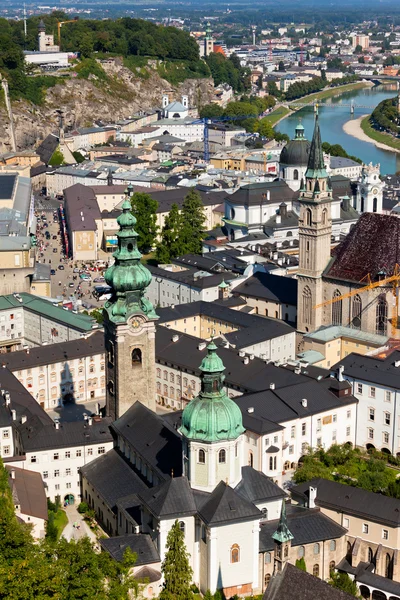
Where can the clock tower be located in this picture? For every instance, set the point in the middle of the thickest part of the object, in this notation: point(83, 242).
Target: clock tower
point(369, 190)
point(129, 325)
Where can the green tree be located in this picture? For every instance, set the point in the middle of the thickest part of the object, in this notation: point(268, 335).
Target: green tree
point(342, 581)
point(208, 595)
point(175, 567)
point(145, 209)
point(51, 528)
point(57, 159)
point(358, 49)
point(193, 217)
point(265, 128)
point(301, 564)
point(97, 315)
point(86, 45)
point(210, 111)
point(78, 157)
point(281, 66)
point(170, 245)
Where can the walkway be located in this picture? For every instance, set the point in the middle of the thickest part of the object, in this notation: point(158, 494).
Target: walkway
point(72, 533)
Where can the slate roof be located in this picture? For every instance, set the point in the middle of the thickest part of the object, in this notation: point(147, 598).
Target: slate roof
point(290, 221)
point(81, 199)
point(306, 525)
point(294, 584)
point(28, 491)
point(113, 478)
point(54, 353)
point(21, 401)
point(364, 574)
point(140, 543)
point(257, 487)
point(158, 443)
point(252, 193)
point(353, 501)
point(7, 184)
point(170, 499)
point(47, 148)
point(193, 277)
point(371, 247)
point(269, 287)
point(225, 505)
point(372, 369)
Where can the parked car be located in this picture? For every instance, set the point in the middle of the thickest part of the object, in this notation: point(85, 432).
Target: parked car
point(52, 272)
point(99, 280)
point(61, 267)
point(76, 270)
point(54, 250)
point(71, 285)
point(85, 276)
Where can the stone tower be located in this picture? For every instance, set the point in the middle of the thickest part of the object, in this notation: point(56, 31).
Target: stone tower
point(208, 41)
point(129, 324)
point(212, 430)
point(369, 196)
point(315, 230)
point(282, 541)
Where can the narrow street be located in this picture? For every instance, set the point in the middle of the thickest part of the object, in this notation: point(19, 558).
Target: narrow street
point(71, 531)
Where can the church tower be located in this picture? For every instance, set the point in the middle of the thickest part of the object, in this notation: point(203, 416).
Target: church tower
point(208, 41)
point(282, 541)
point(315, 230)
point(369, 196)
point(212, 429)
point(129, 325)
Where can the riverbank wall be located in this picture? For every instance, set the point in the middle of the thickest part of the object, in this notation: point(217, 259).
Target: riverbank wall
point(353, 128)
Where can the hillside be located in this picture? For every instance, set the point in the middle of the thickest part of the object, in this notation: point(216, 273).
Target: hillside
point(96, 89)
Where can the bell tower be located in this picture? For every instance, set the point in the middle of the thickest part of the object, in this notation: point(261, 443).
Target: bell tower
point(129, 325)
point(315, 230)
point(282, 541)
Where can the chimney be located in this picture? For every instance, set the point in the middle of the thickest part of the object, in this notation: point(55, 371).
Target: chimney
point(340, 373)
point(14, 415)
point(23, 419)
point(246, 360)
point(12, 473)
point(397, 363)
point(304, 402)
point(250, 410)
point(278, 219)
point(57, 424)
point(271, 386)
point(175, 338)
point(90, 421)
point(7, 398)
point(27, 350)
point(312, 494)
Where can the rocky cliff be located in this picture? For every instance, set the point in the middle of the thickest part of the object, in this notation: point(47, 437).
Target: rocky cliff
point(83, 101)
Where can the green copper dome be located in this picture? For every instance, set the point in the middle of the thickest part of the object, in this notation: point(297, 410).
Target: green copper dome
point(212, 416)
point(127, 277)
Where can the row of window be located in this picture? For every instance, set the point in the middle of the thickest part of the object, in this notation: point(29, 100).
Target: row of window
point(68, 453)
point(372, 391)
point(201, 456)
point(53, 374)
point(178, 378)
point(56, 473)
point(386, 416)
point(385, 435)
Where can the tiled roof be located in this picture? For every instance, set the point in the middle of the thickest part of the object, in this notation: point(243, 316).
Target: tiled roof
point(257, 487)
point(140, 543)
point(225, 505)
point(28, 490)
point(172, 498)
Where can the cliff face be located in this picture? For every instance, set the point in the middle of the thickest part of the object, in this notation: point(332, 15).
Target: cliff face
point(85, 100)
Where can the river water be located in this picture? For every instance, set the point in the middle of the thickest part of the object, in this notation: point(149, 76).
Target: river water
point(332, 116)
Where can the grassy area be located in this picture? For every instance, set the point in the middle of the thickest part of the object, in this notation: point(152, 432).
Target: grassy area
point(149, 259)
point(323, 94)
point(277, 114)
point(60, 521)
point(379, 136)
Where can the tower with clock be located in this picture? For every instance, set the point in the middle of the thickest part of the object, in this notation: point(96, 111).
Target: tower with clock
point(129, 325)
point(369, 190)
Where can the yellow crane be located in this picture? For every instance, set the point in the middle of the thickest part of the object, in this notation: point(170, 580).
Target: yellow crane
point(59, 24)
point(393, 280)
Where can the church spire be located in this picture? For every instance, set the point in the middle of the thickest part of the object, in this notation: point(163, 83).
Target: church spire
point(127, 277)
point(282, 534)
point(316, 164)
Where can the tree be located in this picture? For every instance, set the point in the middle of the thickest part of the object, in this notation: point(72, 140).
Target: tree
point(170, 245)
point(175, 567)
point(301, 564)
point(57, 158)
point(51, 528)
point(144, 209)
point(210, 111)
point(281, 66)
point(193, 217)
point(342, 581)
point(265, 128)
point(358, 49)
point(97, 315)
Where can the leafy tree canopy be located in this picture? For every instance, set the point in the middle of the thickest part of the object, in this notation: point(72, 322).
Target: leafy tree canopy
point(144, 208)
point(176, 568)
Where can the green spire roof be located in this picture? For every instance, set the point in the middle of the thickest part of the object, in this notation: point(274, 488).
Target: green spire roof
point(282, 534)
point(299, 132)
point(316, 164)
point(127, 277)
point(212, 416)
point(223, 285)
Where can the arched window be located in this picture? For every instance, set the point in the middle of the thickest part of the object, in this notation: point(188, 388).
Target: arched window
point(308, 216)
point(307, 306)
point(324, 216)
point(136, 356)
point(381, 316)
point(286, 552)
point(332, 565)
point(172, 377)
point(267, 558)
point(158, 372)
point(375, 205)
point(251, 460)
point(388, 567)
point(356, 309)
point(182, 526)
point(286, 466)
point(235, 553)
point(300, 551)
point(267, 579)
point(315, 570)
point(53, 392)
point(332, 545)
point(295, 175)
point(370, 555)
point(158, 387)
point(111, 387)
point(362, 205)
point(171, 392)
point(202, 457)
point(111, 354)
point(316, 548)
point(222, 456)
point(337, 309)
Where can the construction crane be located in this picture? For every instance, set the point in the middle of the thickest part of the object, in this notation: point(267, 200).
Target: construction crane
point(393, 280)
point(217, 120)
point(59, 25)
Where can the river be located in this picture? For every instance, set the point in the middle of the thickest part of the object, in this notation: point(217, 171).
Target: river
point(333, 115)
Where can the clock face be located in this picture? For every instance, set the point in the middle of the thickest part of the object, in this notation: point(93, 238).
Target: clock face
point(375, 191)
point(136, 323)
